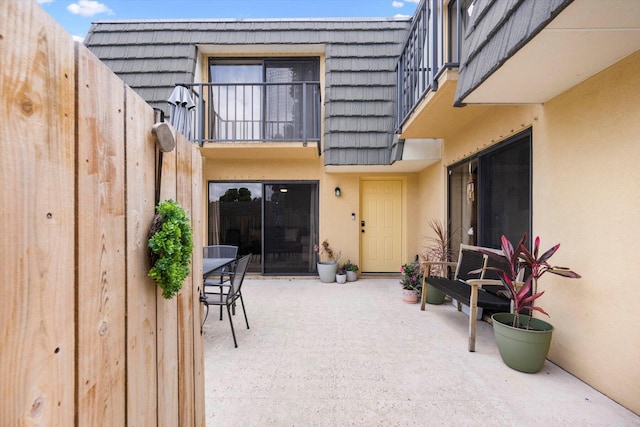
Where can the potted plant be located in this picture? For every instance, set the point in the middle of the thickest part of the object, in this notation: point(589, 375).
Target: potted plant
point(352, 271)
point(411, 282)
point(523, 341)
point(341, 275)
point(438, 250)
point(170, 247)
point(327, 269)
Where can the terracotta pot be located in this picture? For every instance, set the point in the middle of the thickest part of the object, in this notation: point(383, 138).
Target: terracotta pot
point(410, 296)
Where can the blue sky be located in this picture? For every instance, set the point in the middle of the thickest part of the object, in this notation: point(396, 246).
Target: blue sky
point(76, 15)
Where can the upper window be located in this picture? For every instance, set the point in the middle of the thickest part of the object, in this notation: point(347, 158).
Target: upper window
point(459, 12)
point(275, 99)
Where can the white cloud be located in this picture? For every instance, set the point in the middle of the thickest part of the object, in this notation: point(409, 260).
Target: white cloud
point(88, 8)
point(413, 1)
point(401, 15)
point(397, 4)
point(78, 38)
point(45, 1)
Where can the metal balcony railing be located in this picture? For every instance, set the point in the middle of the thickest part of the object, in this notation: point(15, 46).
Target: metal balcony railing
point(428, 52)
point(256, 112)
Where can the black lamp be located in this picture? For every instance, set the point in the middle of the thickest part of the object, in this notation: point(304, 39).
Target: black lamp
point(338, 192)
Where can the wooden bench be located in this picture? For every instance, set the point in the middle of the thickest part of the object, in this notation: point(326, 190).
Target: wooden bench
point(474, 290)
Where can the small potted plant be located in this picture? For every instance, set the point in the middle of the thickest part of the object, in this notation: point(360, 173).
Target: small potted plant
point(352, 271)
point(411, 282)
point(328, 261)
point(341, 275)
point(523, 341)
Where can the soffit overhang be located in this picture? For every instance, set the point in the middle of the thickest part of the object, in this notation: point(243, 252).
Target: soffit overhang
point(435, 116)
point(584, 39)
point(417, 154)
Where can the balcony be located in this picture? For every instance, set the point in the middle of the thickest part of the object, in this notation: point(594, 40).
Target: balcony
point(432, 47)
point(256, 112)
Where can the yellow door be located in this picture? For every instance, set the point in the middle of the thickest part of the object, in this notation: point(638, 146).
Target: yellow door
point(381, 226)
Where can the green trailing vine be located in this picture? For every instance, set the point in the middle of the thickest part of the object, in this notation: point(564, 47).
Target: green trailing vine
point(170, 247)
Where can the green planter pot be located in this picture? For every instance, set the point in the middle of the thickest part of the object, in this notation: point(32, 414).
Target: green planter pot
point(521, 349)
point(434, 296)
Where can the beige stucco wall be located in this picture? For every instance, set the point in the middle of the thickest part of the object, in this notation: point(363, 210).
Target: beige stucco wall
point(336, 223)
point(586, 196)
point(335, 219)
point(431, 203)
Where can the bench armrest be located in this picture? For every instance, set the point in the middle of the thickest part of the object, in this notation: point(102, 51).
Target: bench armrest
point(477, 283)
point(426, 265)
point(447, 263)
point(481, 282)
point(426, 268)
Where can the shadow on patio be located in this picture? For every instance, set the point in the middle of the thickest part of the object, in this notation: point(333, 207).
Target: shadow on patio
point(353, 354)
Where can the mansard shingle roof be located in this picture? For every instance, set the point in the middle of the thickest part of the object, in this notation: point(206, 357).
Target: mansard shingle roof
point(152, 56)
point(497, 30)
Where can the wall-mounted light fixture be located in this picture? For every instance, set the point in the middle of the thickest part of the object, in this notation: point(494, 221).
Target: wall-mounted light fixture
point(338, 192)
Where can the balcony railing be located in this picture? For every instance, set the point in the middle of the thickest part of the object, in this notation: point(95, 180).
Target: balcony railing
point(256, 112)
point(428, 52)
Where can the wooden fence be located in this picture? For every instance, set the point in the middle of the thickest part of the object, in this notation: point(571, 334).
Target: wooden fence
point(86, 338)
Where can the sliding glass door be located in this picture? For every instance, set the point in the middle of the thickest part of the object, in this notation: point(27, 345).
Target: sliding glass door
point(235, 218)
point(504, 186)
point(490, 194)
point(290, 227)
point(277, 222)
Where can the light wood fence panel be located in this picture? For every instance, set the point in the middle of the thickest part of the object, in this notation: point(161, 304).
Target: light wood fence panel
point(87, 338)
point(198, 342)
point(142, 374)
point(101, 244)
point(168, 322)
point(37, 176)
point(185, 297)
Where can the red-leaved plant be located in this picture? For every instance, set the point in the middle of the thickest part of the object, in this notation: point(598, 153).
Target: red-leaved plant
point(534, 266)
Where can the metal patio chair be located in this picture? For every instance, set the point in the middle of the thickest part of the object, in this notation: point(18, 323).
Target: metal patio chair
point(217, 277)
point(228, 295)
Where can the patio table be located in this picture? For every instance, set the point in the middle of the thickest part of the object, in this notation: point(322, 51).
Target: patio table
point(209, 265)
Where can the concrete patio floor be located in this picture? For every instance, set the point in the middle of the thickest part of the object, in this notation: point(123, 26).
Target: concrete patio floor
point(354, 354)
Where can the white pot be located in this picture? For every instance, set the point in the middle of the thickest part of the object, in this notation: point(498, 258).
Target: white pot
point(352, 276)
point(341, 278)
point(327, 271)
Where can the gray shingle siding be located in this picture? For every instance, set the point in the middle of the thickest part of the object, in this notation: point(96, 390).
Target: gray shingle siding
point(359, 108)
point(496, 31)
point(152, 56)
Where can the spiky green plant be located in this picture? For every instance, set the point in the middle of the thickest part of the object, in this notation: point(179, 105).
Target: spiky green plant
point(439, 248)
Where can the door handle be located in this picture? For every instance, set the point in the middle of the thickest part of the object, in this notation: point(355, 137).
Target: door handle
point(361, 223)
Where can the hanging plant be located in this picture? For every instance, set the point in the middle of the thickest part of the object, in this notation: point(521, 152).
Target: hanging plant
point(170, 247)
